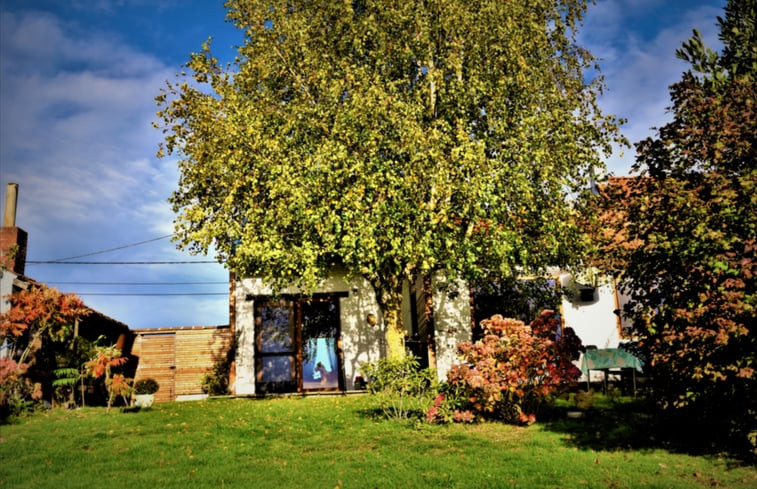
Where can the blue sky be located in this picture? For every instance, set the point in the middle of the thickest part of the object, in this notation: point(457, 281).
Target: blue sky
point(77, 83)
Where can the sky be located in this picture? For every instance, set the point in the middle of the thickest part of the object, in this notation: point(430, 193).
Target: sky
point(78, 80)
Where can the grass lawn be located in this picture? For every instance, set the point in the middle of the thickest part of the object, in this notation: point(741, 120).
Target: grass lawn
point(328, 442)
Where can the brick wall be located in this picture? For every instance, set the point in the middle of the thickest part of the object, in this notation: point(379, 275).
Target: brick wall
point(13, 249)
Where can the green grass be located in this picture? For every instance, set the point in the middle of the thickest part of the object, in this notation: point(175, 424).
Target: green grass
point(328, 442)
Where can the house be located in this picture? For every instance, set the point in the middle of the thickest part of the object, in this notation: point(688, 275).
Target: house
point(13, 245)
point(289, 342)
point(12, 249)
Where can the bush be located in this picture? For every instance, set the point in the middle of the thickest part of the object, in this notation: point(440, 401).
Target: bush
point(514, 368)
point(146, 386)
point(451, 405)
point(216, 382)
point(403, 389)
point(18, 394)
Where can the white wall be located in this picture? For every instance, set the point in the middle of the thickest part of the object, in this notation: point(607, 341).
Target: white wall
point(452, 321)
point(593, 321)
point(6, 289)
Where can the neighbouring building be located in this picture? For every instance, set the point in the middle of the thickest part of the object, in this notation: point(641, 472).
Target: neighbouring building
point(13, 245)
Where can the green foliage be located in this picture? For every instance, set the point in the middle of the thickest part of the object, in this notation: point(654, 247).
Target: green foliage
point(146, 386)
point(66, 377)
point(687, 245)
point(583, 400)
point(216, 382)
point(393, 139)
point(402, 388)
point(65, 382)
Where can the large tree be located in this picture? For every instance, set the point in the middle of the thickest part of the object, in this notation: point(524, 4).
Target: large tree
point(390, 138)
point(685, 229)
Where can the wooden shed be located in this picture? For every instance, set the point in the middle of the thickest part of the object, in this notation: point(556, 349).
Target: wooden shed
point(178, 357)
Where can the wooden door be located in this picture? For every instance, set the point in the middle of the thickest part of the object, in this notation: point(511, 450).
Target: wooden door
point(157, 360)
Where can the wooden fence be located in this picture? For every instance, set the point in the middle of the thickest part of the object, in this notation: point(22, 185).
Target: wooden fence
point(179, 357)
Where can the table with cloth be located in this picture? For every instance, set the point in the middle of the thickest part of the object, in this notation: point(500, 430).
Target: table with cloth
point(608, 358)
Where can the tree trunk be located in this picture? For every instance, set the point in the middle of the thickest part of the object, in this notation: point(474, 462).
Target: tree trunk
point(389, 298)
point(395, 333)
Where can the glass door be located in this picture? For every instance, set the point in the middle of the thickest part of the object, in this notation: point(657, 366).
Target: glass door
point(297, 345)
point(276, 347)
point(319, 360)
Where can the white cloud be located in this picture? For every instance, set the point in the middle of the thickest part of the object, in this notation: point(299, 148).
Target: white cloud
point(639, 66)
point(76, 124)
point(75, 134)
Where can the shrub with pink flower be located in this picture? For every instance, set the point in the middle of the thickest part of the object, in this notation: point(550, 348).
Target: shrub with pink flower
point(515, 367)
point(15, 388)
point(433, 413)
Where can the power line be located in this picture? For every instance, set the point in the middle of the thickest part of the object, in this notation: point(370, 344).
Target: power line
point(140, 283)
point(61, 262)
point(152, 294)
point(114, 249)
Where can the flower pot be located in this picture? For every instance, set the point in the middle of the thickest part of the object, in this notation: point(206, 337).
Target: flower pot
point(144, 400)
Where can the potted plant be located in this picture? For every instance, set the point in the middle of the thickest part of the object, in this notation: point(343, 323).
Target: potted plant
point(581, 403)
point(144, 390)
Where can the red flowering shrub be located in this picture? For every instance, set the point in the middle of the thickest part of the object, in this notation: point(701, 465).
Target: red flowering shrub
point(101, 365)
point(17, 393)
point(38, 320)
point(508, 373)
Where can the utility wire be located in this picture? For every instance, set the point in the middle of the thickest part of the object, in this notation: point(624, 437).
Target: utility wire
point(152, 294)
point(113, 249)
point(61, 262)
point(139, 283)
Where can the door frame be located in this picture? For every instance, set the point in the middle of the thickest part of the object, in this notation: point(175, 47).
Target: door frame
point(294, 303)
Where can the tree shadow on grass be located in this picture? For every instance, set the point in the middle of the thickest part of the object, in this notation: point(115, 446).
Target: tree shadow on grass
point(636, 424)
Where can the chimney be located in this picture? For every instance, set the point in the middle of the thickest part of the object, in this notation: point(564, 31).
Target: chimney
point(12, 238)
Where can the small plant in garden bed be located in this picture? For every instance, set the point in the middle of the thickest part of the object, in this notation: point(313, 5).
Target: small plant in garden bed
point(146, 386)
point(102, 364)
point(402, 387)
point(144, 390)
point(216, 382)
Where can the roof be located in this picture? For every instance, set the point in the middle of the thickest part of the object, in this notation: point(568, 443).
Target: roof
point(95, 318)
point(173, 329)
